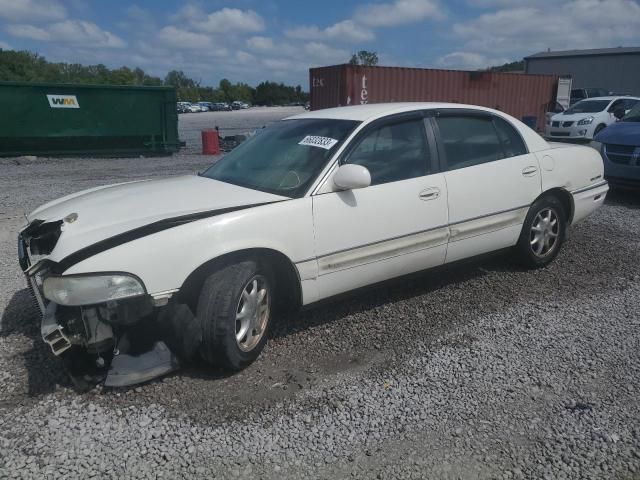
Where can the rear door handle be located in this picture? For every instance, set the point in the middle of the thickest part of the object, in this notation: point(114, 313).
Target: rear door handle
point(529, 171)
point(429, 193)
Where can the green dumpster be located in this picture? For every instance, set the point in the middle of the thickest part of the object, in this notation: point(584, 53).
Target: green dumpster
point(69, 119)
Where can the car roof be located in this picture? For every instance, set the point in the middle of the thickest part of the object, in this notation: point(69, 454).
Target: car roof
point(610, 97)
point(370, 111)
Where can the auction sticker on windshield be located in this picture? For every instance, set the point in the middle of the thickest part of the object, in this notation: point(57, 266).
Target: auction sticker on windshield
point(316, 141)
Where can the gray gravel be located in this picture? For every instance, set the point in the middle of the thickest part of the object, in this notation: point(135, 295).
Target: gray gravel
point(478, 371)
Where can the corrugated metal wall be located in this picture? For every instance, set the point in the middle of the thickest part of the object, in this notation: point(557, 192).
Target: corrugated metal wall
point(516, 94)
point(617, 73)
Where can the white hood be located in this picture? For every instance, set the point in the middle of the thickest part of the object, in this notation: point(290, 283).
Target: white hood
point(110, 210)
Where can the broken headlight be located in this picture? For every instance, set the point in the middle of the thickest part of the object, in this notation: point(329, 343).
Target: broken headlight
point(76, 290)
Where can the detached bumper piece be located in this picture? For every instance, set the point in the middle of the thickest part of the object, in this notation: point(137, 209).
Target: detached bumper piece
point(129, 369)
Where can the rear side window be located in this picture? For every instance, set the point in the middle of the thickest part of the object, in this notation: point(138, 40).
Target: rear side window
point(469, 141)
point(511, 140)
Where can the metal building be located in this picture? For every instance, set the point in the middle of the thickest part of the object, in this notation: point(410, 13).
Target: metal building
point(614, 69)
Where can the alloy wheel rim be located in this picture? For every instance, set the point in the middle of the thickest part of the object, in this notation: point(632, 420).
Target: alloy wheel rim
point(252, 313)
point(545, 231)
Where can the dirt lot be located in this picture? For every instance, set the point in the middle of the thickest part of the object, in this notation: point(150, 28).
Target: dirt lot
point(478, 371)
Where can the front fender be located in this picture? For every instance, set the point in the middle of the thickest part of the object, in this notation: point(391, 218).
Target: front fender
point(165, 259)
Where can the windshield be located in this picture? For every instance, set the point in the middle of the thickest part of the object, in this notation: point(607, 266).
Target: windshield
point(588, 106)
point(633, 115)
point(285, 157)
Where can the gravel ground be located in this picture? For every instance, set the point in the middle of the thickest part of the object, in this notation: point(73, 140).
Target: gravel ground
point(477, 371)
point(236, 122)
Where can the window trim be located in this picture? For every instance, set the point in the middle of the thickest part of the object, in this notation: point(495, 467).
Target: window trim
point(433, 168)
point(465, 112)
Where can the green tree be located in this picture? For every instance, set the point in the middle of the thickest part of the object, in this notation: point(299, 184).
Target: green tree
point(365, 58)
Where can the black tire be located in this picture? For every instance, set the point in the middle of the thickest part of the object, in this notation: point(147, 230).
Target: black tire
point(528, 248)
point(217, 309)
point(598, 129)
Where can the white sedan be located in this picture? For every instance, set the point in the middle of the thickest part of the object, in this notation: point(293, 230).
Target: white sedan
point(131, 277)
point(587, 118)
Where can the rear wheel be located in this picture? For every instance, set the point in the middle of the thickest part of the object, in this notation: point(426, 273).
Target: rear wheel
point(543, 233)
point(234, 309)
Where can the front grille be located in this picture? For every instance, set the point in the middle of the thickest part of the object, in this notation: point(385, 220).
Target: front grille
point(560, 134)
point(621, 154)
point(567, 124)
point(555, 124)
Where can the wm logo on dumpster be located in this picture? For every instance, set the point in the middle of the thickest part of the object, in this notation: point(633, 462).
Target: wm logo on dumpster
point(63, 101)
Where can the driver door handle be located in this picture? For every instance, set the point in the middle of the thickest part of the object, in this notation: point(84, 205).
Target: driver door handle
point(429, 193)
point(529, 171)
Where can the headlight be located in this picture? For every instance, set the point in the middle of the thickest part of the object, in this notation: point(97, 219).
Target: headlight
point(75, 290)
point(586, 121)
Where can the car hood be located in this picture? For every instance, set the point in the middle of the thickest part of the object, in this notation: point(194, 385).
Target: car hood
point(621, 133)
point(103, 212)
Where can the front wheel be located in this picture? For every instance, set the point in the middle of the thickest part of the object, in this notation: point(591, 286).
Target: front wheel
point(543, 233)
point(598, 129)
point(234, 309)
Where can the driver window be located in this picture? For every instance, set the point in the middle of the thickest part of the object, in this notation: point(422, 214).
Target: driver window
point(393, 152)
point(615, 105)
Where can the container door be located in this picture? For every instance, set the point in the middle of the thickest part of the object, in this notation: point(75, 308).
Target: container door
point(491, 181)
point(395, 226)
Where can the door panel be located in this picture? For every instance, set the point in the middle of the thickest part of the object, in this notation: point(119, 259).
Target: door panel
point(491, 182)
point(368, 235)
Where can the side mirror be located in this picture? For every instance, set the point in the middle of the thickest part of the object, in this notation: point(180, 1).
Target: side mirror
point(619, 113)
point(351, 177)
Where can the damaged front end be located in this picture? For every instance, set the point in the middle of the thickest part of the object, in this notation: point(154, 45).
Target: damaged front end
point(104, 326)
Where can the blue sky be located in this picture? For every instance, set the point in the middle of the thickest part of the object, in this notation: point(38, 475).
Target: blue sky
point(254, 40)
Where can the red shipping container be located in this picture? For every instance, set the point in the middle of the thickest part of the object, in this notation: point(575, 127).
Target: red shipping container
point(519, 95)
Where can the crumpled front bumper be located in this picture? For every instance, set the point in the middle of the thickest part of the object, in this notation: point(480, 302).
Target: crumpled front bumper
point(119, 343)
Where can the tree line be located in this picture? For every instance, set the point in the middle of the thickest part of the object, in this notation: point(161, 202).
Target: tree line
point(24, 66)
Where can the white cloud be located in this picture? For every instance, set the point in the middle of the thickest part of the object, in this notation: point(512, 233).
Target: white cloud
point(31, 10)
point(73, 32)
point(28, 31)
point(5, 46)
point(278, 64)
point(227, 20)
point(468, 61)
point(183, 39)
point(262, 44)
point(319, 53)
point(243, 57)
point(399, 12)
point(87, 34)
point(346, 31)
point(524, 30)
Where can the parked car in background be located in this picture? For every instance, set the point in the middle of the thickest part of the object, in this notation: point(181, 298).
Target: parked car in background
point(238, 105)
point(553, 108)
point(205, 106)
point(221, 107)
point(194, 108)
point(588, 117)
point(182, 107)
point(313, 206)
point(578, 94)
point(621, 149)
